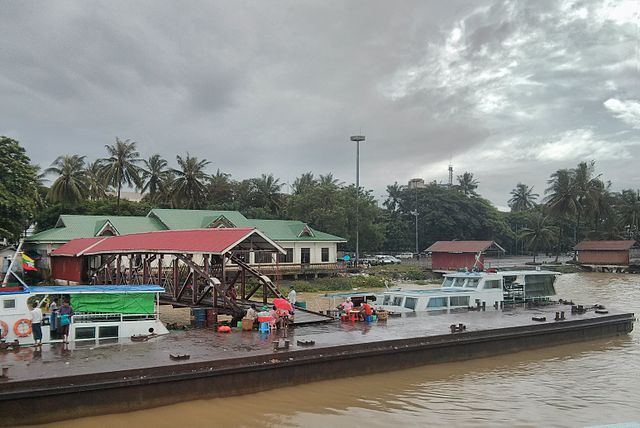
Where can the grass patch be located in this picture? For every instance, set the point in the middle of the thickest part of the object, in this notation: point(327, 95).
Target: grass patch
point(336, 283)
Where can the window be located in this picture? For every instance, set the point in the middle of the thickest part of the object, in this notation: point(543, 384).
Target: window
point(263, 257)
point(410, 303)
point(9, 304)
point(108, 331)
point(458, 282)
point(286, 258)
point(325, 254)
point(472, 283)
point(85, 332)
point(459, 301)
point(437, 302)
point(305, 255)
point(448, 281)
point(397, 301)
point(492, 283)
point(386, 300)
point(539, 285)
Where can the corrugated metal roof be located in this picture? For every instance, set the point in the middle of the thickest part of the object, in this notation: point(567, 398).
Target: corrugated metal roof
point(85, 226)
point(96, 289)
point(207, 241)
point(616, 245)
point(194, 219)
point(460, 246)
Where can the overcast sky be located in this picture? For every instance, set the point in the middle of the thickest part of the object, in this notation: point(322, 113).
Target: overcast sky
point(510, 91)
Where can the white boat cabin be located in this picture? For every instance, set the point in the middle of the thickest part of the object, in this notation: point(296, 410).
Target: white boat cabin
point(100, 312)
point(473, 289)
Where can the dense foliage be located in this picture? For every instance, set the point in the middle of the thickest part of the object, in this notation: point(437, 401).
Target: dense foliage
point(577, 203)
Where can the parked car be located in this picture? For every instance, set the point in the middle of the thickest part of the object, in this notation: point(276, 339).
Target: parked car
point(384, 259)
point(405, 256)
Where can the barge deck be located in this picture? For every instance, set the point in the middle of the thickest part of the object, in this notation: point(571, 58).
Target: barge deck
point(124, 376)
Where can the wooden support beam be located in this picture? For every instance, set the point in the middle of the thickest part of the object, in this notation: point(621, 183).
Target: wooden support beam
point(130, 275)
point(184, 285)
point(175, 279)
point(160, 267)
point(145, 269)
point(119, 269)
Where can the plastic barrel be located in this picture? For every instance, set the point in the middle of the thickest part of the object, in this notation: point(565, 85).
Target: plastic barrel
point(211, 317)
point(199, 317)
point(301, 304)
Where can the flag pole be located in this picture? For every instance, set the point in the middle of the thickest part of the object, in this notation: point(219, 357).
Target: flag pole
point(10, 270)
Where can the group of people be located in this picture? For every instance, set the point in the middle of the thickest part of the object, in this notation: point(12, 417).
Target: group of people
point(365, 309)
point(59, 320)
point(280, 318)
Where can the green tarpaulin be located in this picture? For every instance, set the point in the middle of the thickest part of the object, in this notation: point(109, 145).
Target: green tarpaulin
point(130, 303)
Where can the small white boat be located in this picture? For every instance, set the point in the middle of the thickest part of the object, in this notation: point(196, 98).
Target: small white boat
point(474, 289)
point(100, 312)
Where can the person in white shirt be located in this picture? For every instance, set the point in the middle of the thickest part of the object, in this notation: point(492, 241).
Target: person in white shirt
point(292, 296)
point(36, 323)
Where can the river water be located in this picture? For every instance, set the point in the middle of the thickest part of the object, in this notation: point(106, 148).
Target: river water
point(575, 385)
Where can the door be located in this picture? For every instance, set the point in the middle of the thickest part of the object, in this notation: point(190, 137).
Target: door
point(305, 256)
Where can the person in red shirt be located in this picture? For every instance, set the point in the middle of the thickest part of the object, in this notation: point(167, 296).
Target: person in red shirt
point(365, 310)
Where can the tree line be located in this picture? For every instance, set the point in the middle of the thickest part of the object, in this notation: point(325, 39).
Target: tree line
point(577, 203)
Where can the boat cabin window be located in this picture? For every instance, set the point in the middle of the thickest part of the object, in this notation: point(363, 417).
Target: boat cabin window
point(472, 283)
point(410, 303)
point(386, 300)
point(397, 301)
point(458, 282)
point(108, 331)
point(85, 332)
point(492, 283)
point(448, 281)
point(509, 280)
point(437, 302)
point(459, 301)
point(9, 304)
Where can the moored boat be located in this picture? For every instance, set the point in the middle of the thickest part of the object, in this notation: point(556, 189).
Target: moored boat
point(100, 312)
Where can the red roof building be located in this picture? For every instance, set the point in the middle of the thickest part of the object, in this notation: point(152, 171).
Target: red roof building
point(614, 253)
point(68, 262)
point(454, 255)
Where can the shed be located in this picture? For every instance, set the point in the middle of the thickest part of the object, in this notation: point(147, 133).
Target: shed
point(453, 255)
point(610, 253)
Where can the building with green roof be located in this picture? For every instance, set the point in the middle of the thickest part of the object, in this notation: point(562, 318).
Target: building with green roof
point(304, 244)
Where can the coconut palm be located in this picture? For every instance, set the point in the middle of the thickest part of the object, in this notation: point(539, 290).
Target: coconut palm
point(394, 192)
point(539, 234)
point(154, 176)
point(267, 192)
point(522, 198)
point(120, 167)
point(588, 190)
point(561, 200)
point(221, 189)
point(71, 185)
point(304, 183)
point(467, 184)
point(189, 188)
point(629, 207)
point(96, 183)
point(329, 182)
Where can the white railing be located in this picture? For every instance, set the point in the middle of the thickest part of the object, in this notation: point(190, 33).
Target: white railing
point(98, 317)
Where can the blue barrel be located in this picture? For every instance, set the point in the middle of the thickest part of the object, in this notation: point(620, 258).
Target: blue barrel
point(199, 317)
point(301, 304)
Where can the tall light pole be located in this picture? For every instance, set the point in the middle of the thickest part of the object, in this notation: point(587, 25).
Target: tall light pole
point(357, 139)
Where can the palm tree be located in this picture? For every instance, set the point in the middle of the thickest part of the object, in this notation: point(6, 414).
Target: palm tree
point(587, 190)
point(561, 200)
point(96, 185)
point(189, 189)
point(71, 185)
point(394, 192)
point(630, 210)
point(522, 198)
point(221, 189)
point(267, 190)
point(538, 234)
point(154, 177)
point(304, 183)
point(120, 167)
point(467, 184)
point(329, 182)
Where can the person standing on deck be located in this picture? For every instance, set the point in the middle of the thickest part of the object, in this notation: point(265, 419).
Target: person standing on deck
point(66, 312)
point(292, 298)
point(36, 323)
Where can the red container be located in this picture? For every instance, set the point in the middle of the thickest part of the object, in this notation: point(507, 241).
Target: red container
point(264, 319)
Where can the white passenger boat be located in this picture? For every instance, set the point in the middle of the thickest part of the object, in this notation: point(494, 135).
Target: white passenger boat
point(489, 289)
point(100, 312)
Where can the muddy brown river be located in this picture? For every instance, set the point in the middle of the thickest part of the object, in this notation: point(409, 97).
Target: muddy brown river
point(574, 385)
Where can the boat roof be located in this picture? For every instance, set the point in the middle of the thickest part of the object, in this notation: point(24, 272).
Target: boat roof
point(502, 273)
point(95, 289)
point(431, 291)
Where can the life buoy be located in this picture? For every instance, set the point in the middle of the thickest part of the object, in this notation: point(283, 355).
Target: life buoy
point(19, 331)
point(5, 329)
point(224, 329)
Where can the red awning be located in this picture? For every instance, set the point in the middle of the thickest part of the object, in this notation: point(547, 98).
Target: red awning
point(197, 241)
point(462, 246)
point(617, 245)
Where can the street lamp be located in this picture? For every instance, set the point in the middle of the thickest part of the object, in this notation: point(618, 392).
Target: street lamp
point(357, 139)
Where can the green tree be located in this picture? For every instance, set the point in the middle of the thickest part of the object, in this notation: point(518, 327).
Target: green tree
point(221, 191)
point(538, 235)
point(304, 183)
point(18, 189)
point(71, 185)
point(467, 184)
point(155, 178)
point(96, 183)
point(189, 186)
point(522, 198)
point(267, 193)
point(629, 209)
point(121, 167)
point(561, 200)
